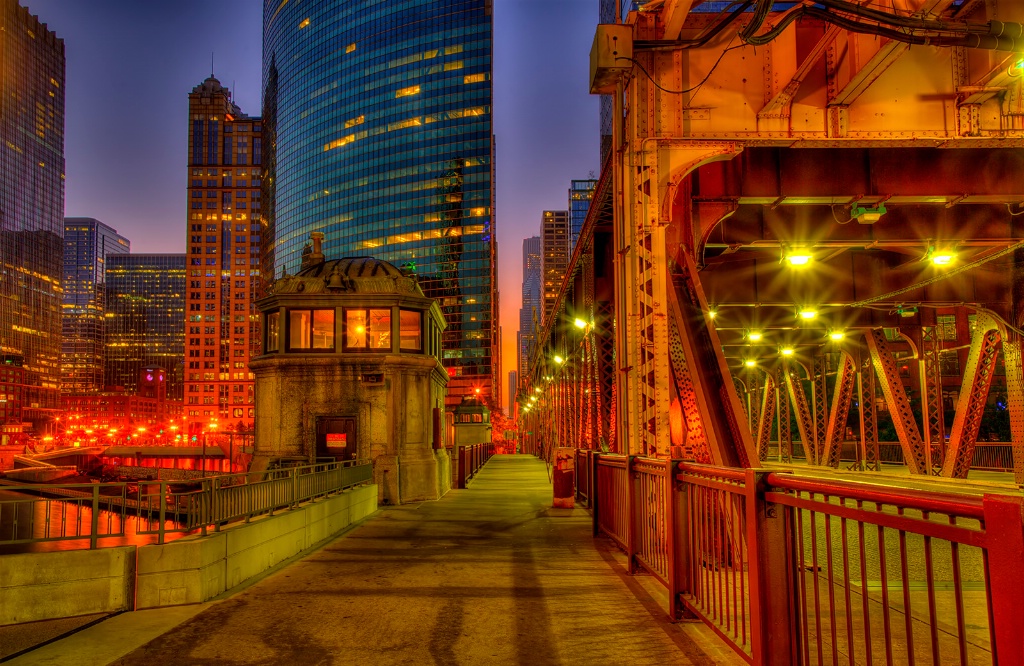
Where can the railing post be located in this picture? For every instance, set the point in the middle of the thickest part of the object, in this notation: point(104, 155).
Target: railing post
point(462, 466)
point(95, 522)
point(594, 503)
point(1004, 529)
point(632, 515)
point(772, 612)
point(295, 487)
point(673, 542)
point(163, 512)
point(215, 501)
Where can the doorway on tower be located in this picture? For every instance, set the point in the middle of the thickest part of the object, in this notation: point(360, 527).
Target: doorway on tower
point(336, 437)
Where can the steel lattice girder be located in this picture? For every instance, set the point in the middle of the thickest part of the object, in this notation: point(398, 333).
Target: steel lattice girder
point(868, 416)
point(785, 432)
point(977, 380)
point(914, 452)
point(1012, 358)
point(766, 418)
point(842, 395)
point(804, 420)
point(819, 370)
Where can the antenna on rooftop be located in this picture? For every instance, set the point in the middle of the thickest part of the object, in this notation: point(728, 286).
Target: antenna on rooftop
point(211, 66)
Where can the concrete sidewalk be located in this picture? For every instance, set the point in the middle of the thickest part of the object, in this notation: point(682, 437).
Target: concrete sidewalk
point(487, 575)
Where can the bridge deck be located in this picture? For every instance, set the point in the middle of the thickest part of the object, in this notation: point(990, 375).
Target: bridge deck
point(487, 575)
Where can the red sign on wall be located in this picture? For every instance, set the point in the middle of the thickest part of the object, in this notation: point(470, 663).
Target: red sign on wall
point(337, 439)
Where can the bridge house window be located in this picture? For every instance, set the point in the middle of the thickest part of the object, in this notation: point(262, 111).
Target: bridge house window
point(368, 329)
point(311, 329)
point(273, 332)
point(410, 330)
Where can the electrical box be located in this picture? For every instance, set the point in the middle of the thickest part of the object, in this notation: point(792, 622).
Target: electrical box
point(611, 56)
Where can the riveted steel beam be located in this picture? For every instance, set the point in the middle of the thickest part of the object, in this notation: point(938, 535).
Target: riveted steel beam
point(977, 380)
point(784, 429)
point(840, 410)
point(766, 418)
point(868, 458)
point(1012, 358)
point(804, 418)
point(915, 454)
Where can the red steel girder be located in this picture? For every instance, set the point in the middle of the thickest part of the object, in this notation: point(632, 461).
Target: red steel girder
point(766, 418)
point(1012, 359)
point(915, 454)
point(841, 397)
point(804, 418)
point(977, 380)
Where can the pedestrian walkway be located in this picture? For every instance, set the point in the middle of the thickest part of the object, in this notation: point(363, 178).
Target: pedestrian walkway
point(487, 575)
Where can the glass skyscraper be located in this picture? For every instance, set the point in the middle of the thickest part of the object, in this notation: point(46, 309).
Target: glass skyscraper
point(377, 132)
point(87, 244)
point(530, 313)
point(581, 193)
point(145, 319)
point(31, 209)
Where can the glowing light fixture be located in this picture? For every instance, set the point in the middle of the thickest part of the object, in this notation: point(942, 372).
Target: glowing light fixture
point(750, 363)
point(786, 351)
point(533, 398)
point(867, 214)
point(538, 390)
point(712, 313)
point(808, 313)
point(942, 257)
point(579, 323)
point(798, 257)
point(836, 336)
point(559, 360)
point(755, 336)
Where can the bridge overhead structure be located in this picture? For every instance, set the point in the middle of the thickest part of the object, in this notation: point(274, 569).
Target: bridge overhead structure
point(798, 203)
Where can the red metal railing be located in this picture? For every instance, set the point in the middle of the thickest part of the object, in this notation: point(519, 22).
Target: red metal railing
point(471, 459)
point(797, 570)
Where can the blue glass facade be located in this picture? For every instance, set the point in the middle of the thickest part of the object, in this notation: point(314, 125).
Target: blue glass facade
point(377, 132)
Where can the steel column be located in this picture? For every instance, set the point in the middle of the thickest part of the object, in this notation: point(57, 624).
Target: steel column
point(915, 454)
point(840, 411)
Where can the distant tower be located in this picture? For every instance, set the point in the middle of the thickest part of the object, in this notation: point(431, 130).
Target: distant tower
point(554, 240)
point(581, 193)
point(513, 387)
point(225, 149)
point(31, 213)
point(87, 244)
point(530, 312)
point(145, 311)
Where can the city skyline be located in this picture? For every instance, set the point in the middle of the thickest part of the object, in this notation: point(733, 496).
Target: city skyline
point(545, 123)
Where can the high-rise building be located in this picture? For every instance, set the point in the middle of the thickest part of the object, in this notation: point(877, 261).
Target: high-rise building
point(606, 14)
point(581, 193)
point(530, 313)
point(225, 150)
point(554, 245)
point(87, 244)
point(513, 388)
point(31, 210)
point(145, 311)
point(378, 133)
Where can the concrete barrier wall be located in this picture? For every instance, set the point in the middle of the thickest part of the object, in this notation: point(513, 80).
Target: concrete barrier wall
point(40, 586)
point(196, 569)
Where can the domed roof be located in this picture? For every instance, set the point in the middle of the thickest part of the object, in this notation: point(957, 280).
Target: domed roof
point(353, 267)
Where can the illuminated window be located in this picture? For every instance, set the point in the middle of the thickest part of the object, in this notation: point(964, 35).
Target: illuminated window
point(350, 48)
point(474, 78)
point(311, 329)
point(406, 92)
point(273, 331)
point(410, 330)
point(368, 329)
point(456, 48)
point(354, 121)
point(303, 24)
point(450, 66)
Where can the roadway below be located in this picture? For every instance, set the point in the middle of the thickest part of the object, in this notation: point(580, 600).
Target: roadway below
point(486, 575)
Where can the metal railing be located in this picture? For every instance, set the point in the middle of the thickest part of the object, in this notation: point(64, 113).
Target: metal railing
point(471, 459)
point(98, 511)
point(584, 471)
point(795, 570)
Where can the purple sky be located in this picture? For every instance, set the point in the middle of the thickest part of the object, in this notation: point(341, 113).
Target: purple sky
point(131, 65)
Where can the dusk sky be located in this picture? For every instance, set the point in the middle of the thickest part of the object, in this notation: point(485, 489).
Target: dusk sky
point(131, 65)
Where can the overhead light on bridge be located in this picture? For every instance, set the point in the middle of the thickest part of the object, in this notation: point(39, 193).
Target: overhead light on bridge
point(533, 398)
point(750, 363)
point(579, 323)
point(836, 336)
point(559, 360)
point(538, 389)
point(808, 314)
point(867, 214)
point(712, 313)
point(798, 257)
point(755, 336)
point(786, 351)
point(941, 257)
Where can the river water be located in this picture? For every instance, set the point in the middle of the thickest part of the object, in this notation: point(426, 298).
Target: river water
point(67, 523)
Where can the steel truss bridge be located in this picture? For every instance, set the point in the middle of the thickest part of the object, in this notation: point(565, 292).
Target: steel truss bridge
point(806, 245)
point(801, 215)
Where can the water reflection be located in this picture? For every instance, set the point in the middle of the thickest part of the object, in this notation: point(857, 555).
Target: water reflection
point(70, 521)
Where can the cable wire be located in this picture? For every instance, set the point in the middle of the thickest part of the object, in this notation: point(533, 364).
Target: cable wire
point(691, 89)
